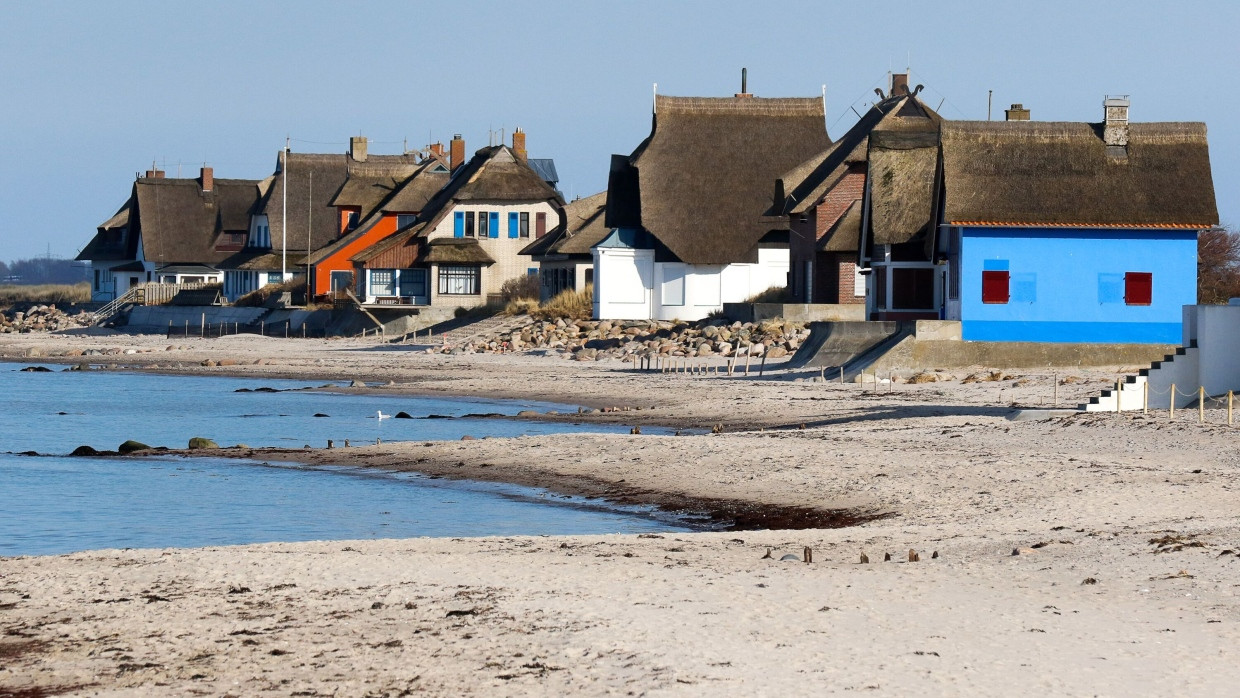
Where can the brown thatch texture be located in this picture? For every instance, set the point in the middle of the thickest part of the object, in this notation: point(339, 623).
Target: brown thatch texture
point(584, 227)
point(845, 234)
point(112, 241)
point(456, 251)
point(310, 211)
point(417, 191)
point(902, 170)
point(1056, 173)
point(805, 185)
point(704, 176)
point(179, 223)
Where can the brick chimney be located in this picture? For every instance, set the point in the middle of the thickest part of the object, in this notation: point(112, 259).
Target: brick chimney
point(1115, 126)
point(518, 144)
point(206, 178)
point(154, 174)
point(436, 149)
point(899, 85)
point(357, 148)
point(1018, 112)
point(456, 152)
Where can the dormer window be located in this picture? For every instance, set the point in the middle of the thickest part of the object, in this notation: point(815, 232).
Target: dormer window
point(350, 221)
point(404, 220)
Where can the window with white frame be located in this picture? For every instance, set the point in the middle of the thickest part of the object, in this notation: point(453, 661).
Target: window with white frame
point(459, 280)
point(381, 282)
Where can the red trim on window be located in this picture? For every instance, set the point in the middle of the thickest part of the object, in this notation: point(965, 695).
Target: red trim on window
point(1138, 288)
point(995, 287)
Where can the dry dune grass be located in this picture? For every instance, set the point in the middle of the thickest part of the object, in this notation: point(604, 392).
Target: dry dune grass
point(45, 293)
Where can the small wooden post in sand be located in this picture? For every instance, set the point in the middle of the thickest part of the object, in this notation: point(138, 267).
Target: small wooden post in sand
point(841, 375)
point(1229, 400)
point(1145, 397)
point(1118, 401)
point(748, 353)
point(1171, 413)
point(1201, 404)
point(1055, 380)
point(762, 368)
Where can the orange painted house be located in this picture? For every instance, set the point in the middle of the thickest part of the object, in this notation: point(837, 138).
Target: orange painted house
point(372, 205)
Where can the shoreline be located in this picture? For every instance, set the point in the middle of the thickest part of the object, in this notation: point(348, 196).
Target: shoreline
point(1071, 554)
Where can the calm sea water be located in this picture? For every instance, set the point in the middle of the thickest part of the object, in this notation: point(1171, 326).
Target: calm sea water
point(55, 504)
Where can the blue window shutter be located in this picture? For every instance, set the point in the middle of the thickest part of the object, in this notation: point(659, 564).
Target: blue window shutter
point(459, 220)
point(512, 225)
point(494, 224)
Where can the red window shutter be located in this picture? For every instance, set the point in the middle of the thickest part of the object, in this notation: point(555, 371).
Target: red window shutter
point(1138, 288)
point(995, 287)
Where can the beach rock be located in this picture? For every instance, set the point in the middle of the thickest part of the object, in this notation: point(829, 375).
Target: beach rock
point(403, 415)
point(36, 369)
point(789, 558)
point(355, 383)
point(130, 446)
point(199, 442)
point(84, 451)
point(320, 414)
point(924, 377)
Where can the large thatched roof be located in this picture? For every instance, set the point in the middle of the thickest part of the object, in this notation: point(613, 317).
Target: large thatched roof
point(493, 174)
point(313, 181)
point(1040, 173)
point(112, 240)
point(703, 178)
point(584, 227)
point(181, 224)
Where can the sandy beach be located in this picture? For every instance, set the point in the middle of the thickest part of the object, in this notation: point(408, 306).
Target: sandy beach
point(1058, 554)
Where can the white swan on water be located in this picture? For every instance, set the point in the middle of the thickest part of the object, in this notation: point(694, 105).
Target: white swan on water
point(384, 416)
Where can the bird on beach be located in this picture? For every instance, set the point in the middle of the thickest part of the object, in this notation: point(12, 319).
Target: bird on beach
point(384, 416)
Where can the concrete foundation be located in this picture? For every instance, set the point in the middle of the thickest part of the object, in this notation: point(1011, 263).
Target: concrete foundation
point(796, 312)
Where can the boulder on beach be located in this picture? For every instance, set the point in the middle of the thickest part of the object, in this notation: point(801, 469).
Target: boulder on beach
point(357, 384)
point(84, 451)
point(36, 369)
point(200, 442)
point(403, 415)
point(130, 446)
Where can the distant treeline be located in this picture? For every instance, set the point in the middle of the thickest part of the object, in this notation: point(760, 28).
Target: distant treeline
point(42, 270)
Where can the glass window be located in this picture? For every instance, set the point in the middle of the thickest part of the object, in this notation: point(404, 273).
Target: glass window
point(413, 282)
point(540, 224)
point(469, 224)
point(381, 282)
point(459, 280)
point(525, 225)
point(405, 219)
point(483, 229)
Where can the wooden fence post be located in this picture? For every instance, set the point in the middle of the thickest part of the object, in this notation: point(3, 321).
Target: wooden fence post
point(1229, 401)
point(1201, 404)
point(762, 368)
point(841, 375)
point(1171, 413)
point(748, 353)
point(1118, 400)
point(1145, 397)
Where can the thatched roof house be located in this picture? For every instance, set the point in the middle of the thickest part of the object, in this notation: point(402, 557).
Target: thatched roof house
point(1037, 173)
point(201, 221)
point(584, 227)
point(701, 181)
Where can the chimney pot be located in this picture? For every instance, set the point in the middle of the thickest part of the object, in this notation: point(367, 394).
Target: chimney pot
point(206, 177)
point(1018, 112)
point(518, 144)
point(744, 84)
point(357, 148)
point(456, 152)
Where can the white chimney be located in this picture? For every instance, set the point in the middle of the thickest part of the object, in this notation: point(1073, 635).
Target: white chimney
point(1115, 127)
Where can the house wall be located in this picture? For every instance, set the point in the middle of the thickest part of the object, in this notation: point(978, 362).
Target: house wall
point(1216, 329)
point(503, 249)
point(341, 259)
point(630, 285)
point(825, 283)
point(1062, 284)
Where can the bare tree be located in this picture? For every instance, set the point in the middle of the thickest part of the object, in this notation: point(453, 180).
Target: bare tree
point(1218, 265)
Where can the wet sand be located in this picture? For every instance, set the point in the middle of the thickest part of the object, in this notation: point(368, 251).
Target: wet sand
point(1123, 581)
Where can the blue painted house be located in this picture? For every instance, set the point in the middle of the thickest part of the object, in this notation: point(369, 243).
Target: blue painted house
point(1056, 231)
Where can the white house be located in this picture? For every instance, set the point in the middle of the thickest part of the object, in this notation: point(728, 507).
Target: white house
point(687, 208)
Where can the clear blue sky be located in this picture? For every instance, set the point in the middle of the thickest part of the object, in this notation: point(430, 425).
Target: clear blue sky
point(94, 91)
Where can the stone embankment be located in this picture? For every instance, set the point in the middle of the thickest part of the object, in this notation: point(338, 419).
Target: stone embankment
point(41, 318)
point(590, 340)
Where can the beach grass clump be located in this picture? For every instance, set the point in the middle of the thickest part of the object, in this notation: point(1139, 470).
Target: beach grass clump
point(774, 294)
point(45, 293)
point(568, 304)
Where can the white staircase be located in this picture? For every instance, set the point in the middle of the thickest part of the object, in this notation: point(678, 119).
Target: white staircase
point(1152, 386)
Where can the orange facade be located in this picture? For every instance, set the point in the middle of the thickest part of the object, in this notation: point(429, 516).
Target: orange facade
point(340, 260)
